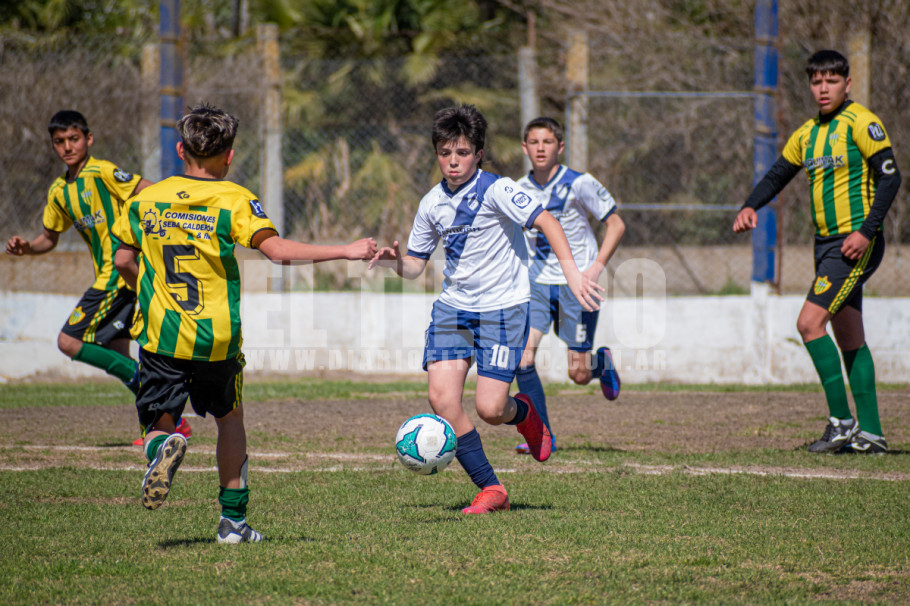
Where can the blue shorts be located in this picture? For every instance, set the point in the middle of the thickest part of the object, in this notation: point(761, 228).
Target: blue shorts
point(496, 339)
point(555, 304)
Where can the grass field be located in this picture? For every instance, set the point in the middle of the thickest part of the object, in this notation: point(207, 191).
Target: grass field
point(670, 495)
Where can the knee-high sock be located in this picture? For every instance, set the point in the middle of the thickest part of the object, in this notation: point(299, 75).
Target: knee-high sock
point(108, 360)
point(824, 355)
point(861, 373)
point(472, 457)
point(530, 385)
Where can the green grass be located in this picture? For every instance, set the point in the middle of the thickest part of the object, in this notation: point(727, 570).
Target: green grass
point(605, 531)
point(85, 393)
point(390, 537)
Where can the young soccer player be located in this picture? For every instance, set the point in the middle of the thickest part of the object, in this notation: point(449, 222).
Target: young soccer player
point(853, 179)
point(188, 286)
point(570, 197)
point(89, 196)
point(482, 312)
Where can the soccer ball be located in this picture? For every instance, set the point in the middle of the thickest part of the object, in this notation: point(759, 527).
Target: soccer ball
point(426, 444)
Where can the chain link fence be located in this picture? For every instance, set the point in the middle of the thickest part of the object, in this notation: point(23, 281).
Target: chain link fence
point(357, 155)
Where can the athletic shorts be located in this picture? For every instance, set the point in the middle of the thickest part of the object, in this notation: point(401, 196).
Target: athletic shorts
point(165, 383)
point(496, 339)
point(839, 280)
point(102, 316)
point(555, 304)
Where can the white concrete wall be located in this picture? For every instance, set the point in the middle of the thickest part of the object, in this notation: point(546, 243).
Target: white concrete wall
point(734, 339)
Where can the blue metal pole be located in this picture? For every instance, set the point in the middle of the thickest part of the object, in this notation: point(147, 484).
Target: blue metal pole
point(171, 86)
point(764, 237)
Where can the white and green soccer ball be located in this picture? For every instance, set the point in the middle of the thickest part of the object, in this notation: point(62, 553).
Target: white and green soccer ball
point(426, 444)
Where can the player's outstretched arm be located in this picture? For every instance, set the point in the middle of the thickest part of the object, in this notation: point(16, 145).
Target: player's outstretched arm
point(278, 249)
point(615, 229)
point(406, 266)
point(584, 289)
point(45, 242)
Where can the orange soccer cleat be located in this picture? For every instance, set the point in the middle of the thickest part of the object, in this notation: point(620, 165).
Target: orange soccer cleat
point(490, 499)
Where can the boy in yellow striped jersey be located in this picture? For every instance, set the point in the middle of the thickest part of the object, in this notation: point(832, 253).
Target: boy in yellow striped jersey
point(853, 179)
point(187, 281)
point(89, 196)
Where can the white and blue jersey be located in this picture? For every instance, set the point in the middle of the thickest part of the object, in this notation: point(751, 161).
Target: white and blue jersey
point(571, 195)
point(480, 225)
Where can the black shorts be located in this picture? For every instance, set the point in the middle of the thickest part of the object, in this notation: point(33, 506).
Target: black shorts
point(165, 383)
point(102, 316)
point(839, 280)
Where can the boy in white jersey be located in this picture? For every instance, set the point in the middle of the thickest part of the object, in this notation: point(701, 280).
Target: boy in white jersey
point(570, 197)
point(482, 311)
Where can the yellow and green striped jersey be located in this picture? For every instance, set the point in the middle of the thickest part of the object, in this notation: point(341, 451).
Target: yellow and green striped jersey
point(189, 278)
point(92, 203)
point(834, 154)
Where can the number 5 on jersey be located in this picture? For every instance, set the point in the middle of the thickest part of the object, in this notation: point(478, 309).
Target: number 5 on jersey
point(183, 286)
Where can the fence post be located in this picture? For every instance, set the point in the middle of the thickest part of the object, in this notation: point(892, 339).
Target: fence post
point(577, 119)
point(171, 86)
point(272, 192)
point(527, 81)
point(764, 236)
point(151, 145)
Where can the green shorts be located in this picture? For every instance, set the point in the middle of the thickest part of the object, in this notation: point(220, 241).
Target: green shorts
point(166, 383)
point(102, 316)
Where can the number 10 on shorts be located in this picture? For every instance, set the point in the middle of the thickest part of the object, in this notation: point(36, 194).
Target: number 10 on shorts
point(500, 358)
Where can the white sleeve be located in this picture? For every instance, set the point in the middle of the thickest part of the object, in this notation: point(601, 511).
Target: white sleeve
point(424, 238)
point(519, 204)
point(594, 197)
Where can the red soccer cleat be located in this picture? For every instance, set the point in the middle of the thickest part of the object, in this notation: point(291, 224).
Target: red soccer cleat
point(540, 442)
point(184, 429)
point(490, 499)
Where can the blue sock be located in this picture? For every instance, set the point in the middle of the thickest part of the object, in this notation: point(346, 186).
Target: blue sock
point(521, 412)
point(471, 456)
point(597, 369)
point(530, 385)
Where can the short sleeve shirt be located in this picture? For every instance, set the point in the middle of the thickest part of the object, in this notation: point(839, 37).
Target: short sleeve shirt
point(480, 225)
point(92, 203)
point(570, 197)
point(189, 279)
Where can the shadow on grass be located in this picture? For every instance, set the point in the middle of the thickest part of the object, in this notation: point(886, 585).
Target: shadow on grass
point(210, 540)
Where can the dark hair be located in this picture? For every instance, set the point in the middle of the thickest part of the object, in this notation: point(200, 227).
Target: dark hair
point(828, 62)
point(544, 122)
point(66, 118)
point(452, 123)
point(207, 131)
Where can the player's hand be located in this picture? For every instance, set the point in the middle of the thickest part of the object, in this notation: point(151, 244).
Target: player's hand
point(746, 219)
point(361, 250)
point(387, 256)
point(593, 272)
point(854, 246)
point(587, 291)
point(17, 246)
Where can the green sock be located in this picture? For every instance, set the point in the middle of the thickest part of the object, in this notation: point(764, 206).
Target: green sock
point(108, 360)
point(233, 502)
point(824, 355)
point(151, 449)
point(861, 372)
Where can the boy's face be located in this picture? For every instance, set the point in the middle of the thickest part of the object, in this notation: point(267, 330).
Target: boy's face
point(830, 90)
point(458, 161)
point(542, 148)
point(71, 146)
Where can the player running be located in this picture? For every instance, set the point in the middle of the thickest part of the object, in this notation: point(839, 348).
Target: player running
point(570, 197)
point(482, 311)
point(89, 196)
point(853, 179)
point(188, 285)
